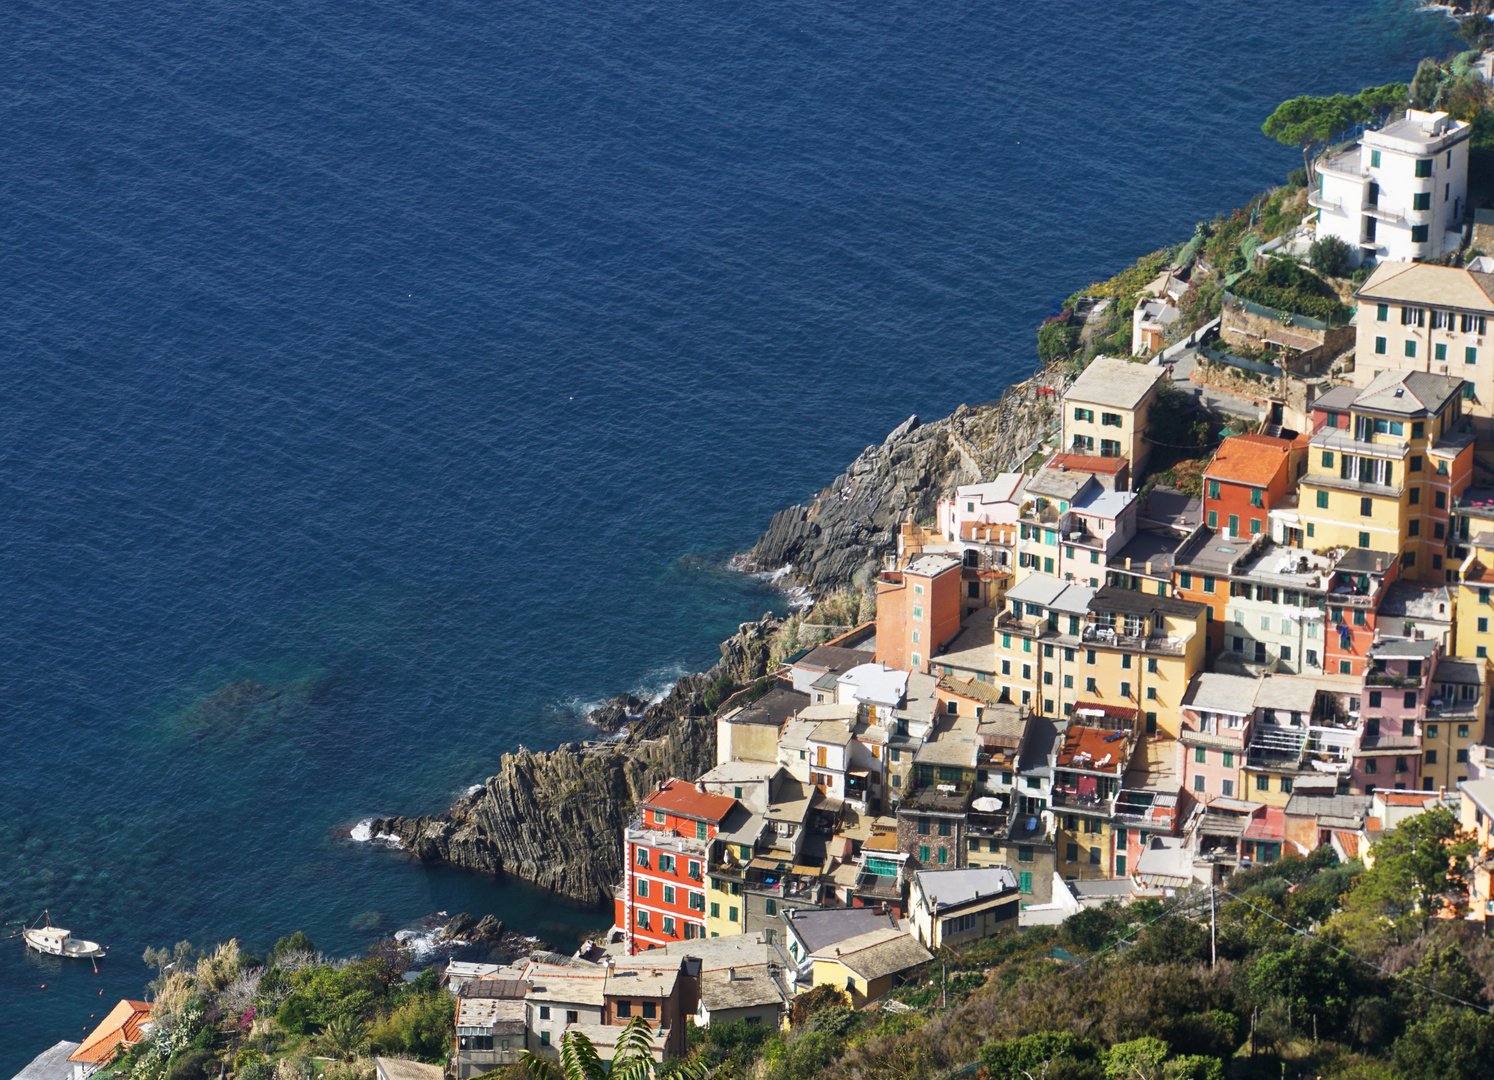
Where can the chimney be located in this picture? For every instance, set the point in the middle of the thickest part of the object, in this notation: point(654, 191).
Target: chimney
point(700, 786)
point(731, 974)
point(1379, 565)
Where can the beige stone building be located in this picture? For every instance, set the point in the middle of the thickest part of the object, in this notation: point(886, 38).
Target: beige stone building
point(1105, 411)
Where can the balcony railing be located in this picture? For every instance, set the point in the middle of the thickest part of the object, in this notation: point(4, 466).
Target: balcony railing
point(1399, 682)
point(1153, 643)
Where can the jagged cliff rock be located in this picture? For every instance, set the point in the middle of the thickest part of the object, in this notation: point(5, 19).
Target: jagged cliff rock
point(556, 818)
point(844, 533)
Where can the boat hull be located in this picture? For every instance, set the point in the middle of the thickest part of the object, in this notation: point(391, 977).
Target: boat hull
point(51, 945)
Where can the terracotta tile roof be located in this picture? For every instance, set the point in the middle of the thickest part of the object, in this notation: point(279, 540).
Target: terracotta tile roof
point(120, 1028)
point(685, 799)
point(1409, 798)
point(1248, 459)
point(1107, 466)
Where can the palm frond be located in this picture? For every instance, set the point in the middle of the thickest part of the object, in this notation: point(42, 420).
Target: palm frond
point(538, 1067)
point(579, 1059)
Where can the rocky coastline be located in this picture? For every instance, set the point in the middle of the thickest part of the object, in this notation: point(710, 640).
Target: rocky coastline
point(555, 818)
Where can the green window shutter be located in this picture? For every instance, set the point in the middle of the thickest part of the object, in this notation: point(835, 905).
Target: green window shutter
point(1379, 346)
point(1382, 313)
point(1470, 355)
point(1410, 348)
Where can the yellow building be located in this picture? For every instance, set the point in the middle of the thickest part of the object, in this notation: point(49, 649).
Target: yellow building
point(1138, 652)
point(1473, 627)
point(1454, 721)
point(1383, 476)
point(1106, 409)
point(868, 965)
point(1422, 317)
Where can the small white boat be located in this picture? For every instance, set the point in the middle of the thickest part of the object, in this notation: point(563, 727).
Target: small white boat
point(54, 941)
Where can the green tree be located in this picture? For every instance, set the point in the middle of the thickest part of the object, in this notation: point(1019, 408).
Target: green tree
point(1312, 123)
point(1194, 1067)
point(1139, 1059)
point(1443, 978)
point(1419, 869)
point(1452, 1046)
point(633, 1058)
point(1312, 978)
point(296, 943)
point(1056, 340)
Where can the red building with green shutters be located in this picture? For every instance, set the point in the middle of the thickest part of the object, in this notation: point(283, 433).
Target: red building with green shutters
point(666, 850)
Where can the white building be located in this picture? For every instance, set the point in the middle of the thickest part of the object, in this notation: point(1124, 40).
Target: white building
point(1401, 193)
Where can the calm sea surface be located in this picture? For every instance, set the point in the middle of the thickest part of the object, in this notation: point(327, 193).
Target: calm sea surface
point(383, 382)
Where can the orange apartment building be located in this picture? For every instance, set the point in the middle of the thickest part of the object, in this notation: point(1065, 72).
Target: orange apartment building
point(665, 853)
point(1249, 474)
point(918, 610)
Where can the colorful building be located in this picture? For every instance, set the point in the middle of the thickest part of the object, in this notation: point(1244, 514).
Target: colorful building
point(666, 850)
point(918, 610)
point(1248, 475)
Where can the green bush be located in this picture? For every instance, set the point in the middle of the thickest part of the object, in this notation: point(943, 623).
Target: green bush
point(1283, 285)
point(807, 1057)
point(294, 1018)
point(1194, 1067)
point(1011, 1059)
point(1329, 255)
point(1453, 1046)
point(421, 1027)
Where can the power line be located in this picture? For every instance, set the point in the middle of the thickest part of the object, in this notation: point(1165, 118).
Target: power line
point(1356, 958)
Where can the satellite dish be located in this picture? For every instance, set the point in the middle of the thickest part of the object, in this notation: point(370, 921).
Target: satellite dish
point(987, 804)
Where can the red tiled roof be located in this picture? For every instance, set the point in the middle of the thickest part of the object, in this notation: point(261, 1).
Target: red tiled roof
point(1408, 798)
point(1120, 712)
point(120, 1028)
point(1108, 466)
point(685, 799)
point(1248, 459)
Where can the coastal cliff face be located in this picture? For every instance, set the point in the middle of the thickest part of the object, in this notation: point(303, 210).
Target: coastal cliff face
point(842, 536)
point(556, 817)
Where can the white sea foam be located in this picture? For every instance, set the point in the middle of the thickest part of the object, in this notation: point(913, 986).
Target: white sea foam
point(471, 791)
point(363, 832)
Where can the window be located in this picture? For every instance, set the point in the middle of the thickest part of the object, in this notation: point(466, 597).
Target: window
point(666, 864)
point(1257, 497)
point(642, 886)
point(1286, 784)
point(695, 873)
point(697, 902)
point(1423, 167)
point(1473, 324)
point(1213, 489)
point(669, 894)
point(923, 827)
point(572, 1016)
point(1382, 311)
point(1462, 731)
point(1410, 344)
point(1431, 757)
point(1208, 583)
point(624, 1008)
point(1462, 756)
point(544, 1012)
point(649, 1009)
point(1262, 783)
point(1422, 200)
point(1439, 352)
point(1213, 519)
point(1110, 419)
point(1198, 783)
point(944, 829)
point(943, 856)
point(731, 914)
point(1419, 235)
point(1024, 881)
point(1151, 693)
point(1364, 539)
point(770, 906)
point(918, 612)
point(1200, 755)
point(1071, 853)
point(544, 1038)
point(1439, 498)
point(1371, 766)
point(1470, 356)
point(923, 853)
point(1024, 854)
point(1090, 687)
point(669, 926)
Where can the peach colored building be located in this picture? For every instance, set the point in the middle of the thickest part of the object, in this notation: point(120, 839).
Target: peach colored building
point(918, 610)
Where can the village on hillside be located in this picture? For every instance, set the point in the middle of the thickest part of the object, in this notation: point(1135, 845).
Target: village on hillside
point(1084, 685)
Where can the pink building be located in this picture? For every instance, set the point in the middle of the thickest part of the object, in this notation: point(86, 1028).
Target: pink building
point(1217, 717)
point(1393, 706)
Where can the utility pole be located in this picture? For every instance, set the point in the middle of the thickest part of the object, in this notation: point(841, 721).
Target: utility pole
point(1213, 931)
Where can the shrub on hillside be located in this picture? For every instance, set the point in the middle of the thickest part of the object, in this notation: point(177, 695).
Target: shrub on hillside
point(1283, 285)
point(1329, 255)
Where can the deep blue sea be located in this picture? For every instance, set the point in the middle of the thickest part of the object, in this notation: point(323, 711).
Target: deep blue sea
point(384, 382)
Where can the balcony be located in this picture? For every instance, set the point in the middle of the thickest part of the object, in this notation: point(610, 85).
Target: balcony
point(1152, 643)
point(1399, 682)
point(666, 841)
point(1438, 708)
point(1067, 798)
point(1316, 199)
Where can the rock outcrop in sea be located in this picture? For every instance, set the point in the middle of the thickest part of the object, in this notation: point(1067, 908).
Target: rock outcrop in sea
point(556, 817)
